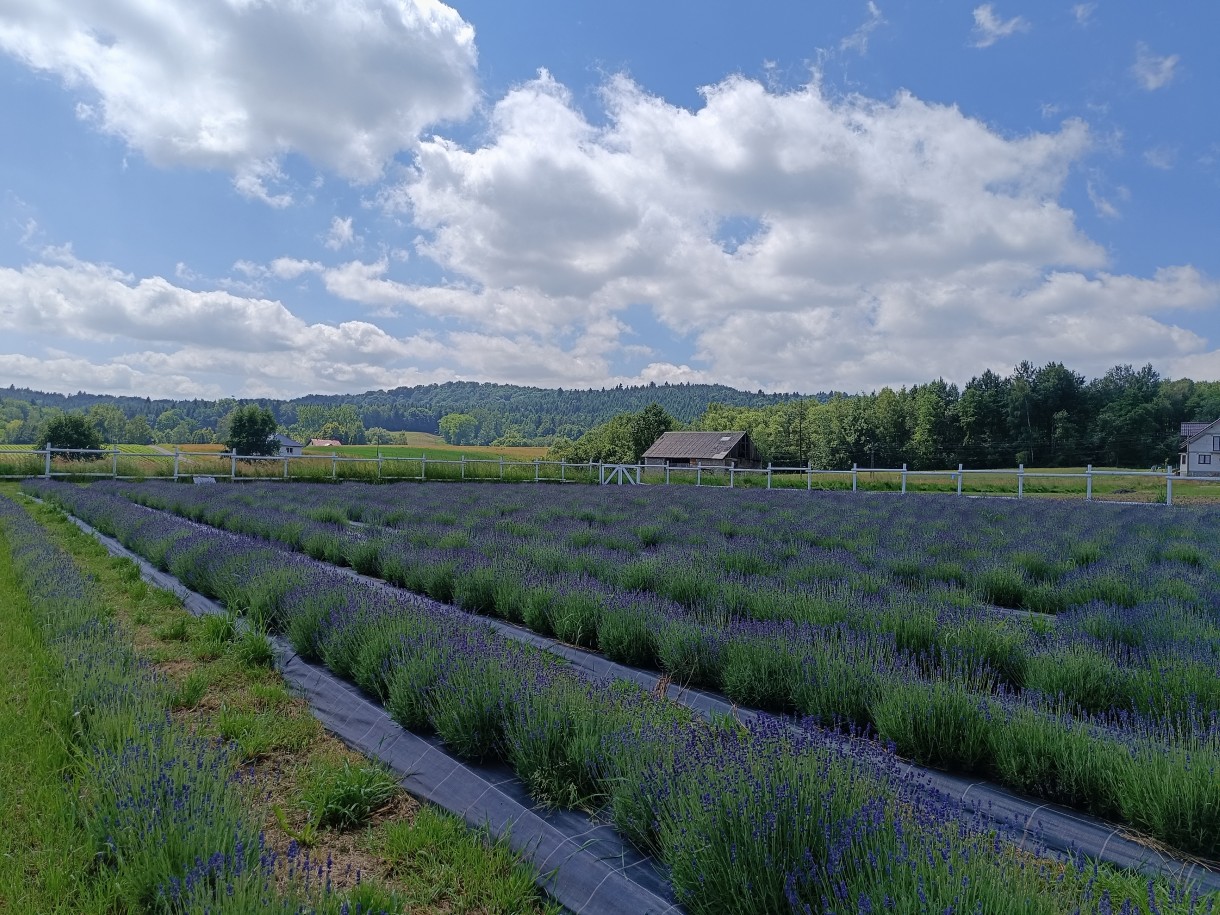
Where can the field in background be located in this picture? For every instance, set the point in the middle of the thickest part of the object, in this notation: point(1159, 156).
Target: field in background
point(432, 461)
point(431, 446)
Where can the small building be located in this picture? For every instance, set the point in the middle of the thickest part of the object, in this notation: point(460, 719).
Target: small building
point(709, 449)
point(1200, 454)
point(325, 443)
point(288, 447)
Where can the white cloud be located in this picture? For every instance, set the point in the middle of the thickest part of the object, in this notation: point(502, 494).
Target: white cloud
point(288, 268)
point(1153, 72)
point(785, 239)
point(71, 373)
point(237, 85)
point(215, 338)
point(858, 40)
point(990, 28)
point(1084, 12)
point(1105, 203)
point(886, 241)
point(1162, 158)
point(341, 233)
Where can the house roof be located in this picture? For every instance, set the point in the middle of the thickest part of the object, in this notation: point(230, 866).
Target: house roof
point(324, 442)
point(710, 445)
point(1193, 431)
point(286, 442)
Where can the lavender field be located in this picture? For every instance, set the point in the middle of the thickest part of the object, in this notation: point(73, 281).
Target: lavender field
point(1068, 652)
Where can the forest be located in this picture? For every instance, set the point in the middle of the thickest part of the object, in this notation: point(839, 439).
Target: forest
point(1047, 416)
point(1041, 417)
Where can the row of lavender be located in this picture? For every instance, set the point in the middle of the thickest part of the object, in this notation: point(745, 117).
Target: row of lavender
point(1147, 635)
point(1125, 731)
point(164, 812)
point(760, 818)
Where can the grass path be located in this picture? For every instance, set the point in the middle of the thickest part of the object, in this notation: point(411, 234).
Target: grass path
point(44, 857)
point(405, 857)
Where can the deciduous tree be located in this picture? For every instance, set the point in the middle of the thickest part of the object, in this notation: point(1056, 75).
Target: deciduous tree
point(251, 430)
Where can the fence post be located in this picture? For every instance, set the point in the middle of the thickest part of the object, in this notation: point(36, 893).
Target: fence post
point(809, 476)
point(768, 474)
point(1168, 485)
point(667, 471)
point(463, 466)
point(1088, 483)
point(114, 461)
point(1020, 480)
point(535, 470)
point(378, 463)
point(501, 467)
point(563, 470)
point(730, 476)
point(423, 465)
point(855, 473)
point(176, 456)
point(233, 466)
point(46, 474)
point(698, 473)
point(334, 465)
point(285, 467)
point(960, 474)
point(904, 478)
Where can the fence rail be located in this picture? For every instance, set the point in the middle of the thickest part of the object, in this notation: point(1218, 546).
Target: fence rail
point(114, 463)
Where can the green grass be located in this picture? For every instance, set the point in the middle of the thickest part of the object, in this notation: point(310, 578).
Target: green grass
point(44, 855)
point(343, 796)
point(442, 864)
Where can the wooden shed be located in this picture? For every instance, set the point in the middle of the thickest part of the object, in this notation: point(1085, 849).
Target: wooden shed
point(711, 449)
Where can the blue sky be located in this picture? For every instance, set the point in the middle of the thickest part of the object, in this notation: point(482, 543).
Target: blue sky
point(269, 198)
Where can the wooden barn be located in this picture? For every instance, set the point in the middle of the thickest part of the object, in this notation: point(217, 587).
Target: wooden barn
point(711, 449)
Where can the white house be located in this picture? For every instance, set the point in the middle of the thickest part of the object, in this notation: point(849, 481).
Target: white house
point(1200, 456)
point(288, 447)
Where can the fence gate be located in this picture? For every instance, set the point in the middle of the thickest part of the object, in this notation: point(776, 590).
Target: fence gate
point(619, 473)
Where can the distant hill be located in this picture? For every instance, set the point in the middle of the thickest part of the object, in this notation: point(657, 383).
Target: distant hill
point(533, 413)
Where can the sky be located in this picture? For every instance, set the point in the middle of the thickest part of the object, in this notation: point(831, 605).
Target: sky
point(268, 198)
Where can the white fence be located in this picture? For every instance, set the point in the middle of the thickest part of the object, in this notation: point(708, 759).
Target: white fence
point(115, 463)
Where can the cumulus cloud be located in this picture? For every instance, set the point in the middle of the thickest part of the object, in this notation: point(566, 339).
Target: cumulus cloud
point(801, 242)
point(237, 85)
point(169, 341)
point(213, 337)
point(71, 373)
point(1153, 72)
point(990, 28)
point(783, 238)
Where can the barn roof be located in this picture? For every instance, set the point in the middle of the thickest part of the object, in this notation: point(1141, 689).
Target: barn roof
point(710, 445)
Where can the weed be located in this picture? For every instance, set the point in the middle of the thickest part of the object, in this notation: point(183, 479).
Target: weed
point(190, 691)
point(177, 630)
point(253, 649)
point(343, 796)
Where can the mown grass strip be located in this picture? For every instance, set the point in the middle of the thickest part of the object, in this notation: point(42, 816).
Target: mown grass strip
point(44, 855)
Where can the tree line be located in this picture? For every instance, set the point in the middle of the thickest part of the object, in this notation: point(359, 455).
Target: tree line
point(1040, 416)
point(486, 413)
point(1047, 416)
